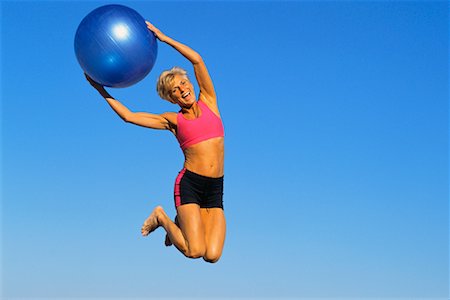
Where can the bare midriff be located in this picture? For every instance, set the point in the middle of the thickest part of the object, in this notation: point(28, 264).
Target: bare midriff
point(206, 158)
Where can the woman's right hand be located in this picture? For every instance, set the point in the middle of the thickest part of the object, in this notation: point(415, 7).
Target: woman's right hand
point(94, 84)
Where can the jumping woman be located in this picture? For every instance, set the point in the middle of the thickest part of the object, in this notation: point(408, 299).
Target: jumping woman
point(199, 228)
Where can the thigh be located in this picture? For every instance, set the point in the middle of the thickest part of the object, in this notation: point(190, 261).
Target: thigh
point(215, 229)
point(191, 224)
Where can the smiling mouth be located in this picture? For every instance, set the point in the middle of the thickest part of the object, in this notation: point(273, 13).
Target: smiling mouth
point(185, 94)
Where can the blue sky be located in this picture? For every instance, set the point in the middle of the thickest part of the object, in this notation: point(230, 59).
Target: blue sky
point(336, 184)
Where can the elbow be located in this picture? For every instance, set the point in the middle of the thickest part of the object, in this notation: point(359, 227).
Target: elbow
point(197, 59)
point(127, 118)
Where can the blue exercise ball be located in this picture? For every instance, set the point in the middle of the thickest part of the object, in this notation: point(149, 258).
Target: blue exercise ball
point(114, 47)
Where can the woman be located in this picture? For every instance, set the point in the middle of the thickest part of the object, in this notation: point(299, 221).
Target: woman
point(199, 230)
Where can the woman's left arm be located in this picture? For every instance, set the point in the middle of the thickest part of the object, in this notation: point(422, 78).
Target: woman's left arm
point(201, 72)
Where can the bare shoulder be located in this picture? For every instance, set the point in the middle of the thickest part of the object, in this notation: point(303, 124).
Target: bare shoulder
point(211, 102)
point(171, 119)
point(170, 116)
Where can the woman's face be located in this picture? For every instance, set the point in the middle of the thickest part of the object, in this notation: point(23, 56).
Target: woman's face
point(182, 91)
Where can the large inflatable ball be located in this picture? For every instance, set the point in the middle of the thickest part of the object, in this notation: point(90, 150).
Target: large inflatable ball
point(114, 46)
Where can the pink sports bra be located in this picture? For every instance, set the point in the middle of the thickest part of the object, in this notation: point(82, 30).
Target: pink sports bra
point(205, 127)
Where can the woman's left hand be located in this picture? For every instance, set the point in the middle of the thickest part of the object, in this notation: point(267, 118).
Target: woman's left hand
point(159, 35)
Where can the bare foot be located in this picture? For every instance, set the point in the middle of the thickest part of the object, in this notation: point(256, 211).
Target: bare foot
point(152, 222)
point(167, 241)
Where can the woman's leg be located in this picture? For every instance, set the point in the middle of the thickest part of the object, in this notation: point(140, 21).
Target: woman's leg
point(188, 237)
point(215, 228)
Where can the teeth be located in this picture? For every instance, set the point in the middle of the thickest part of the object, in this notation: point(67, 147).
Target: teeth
point(185, 94)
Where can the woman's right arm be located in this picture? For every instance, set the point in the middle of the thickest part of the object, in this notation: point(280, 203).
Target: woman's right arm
point(165, 121)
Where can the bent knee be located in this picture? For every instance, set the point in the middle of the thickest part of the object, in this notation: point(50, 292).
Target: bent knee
point(212, 256)
point(195, 252)
point(211, 260)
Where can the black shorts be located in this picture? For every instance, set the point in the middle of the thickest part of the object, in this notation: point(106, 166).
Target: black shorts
point(205, 191)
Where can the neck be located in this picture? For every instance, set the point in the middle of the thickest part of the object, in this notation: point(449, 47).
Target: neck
point(193, 110)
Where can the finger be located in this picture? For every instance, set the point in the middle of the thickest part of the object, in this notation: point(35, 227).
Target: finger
point(87, 77)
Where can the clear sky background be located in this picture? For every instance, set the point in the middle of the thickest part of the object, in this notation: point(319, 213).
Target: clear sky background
point(336, 184)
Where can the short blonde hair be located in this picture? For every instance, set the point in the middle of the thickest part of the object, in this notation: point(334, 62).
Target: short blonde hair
point(164, 83)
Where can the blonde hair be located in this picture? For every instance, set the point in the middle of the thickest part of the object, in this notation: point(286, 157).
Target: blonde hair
point(164, 83)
